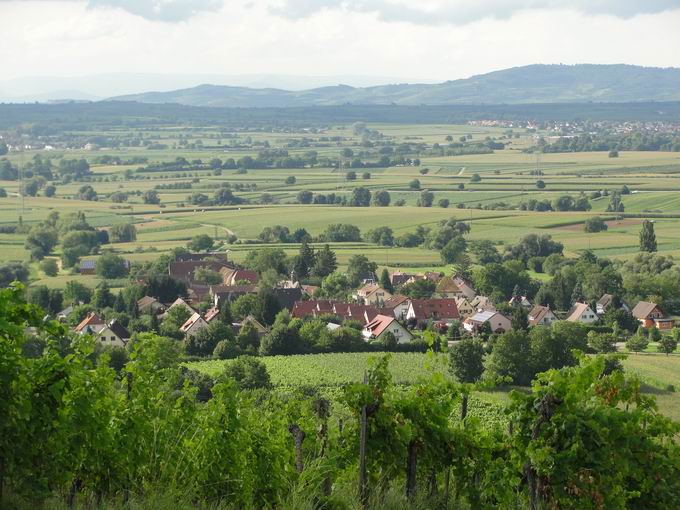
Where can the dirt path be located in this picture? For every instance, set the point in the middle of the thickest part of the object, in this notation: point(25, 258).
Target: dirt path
point(461, 171)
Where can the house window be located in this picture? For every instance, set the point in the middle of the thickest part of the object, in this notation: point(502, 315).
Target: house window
point(113, 338)
point(102, 338)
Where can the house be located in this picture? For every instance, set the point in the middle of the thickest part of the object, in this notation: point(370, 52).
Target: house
point(180, 302)
point(447, 288)
point(498, 322)
point(465, 308)
point(352, 311)
point(383, 324)
point(399, 304)
point(211, 314)
point(87, 267)
point(113, 333)
point(91, 321)
point(439, 310)
point(482, 303)
point(230, 292)
point(467, 289)
point(541, 316)
point(432, 276)
point(606, 301)
point(398, 278)
point(184, 270)
point(522, 301)
point(242, 277)
point(313, 307)
point(249, 319)
point(149, 304)
point(651, 315)
point(64, 314)
point(371, 294)
point(581, 312)
point(193, 324)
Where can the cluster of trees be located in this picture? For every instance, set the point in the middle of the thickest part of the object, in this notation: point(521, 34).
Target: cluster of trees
point(561, 203)
point(605, 141)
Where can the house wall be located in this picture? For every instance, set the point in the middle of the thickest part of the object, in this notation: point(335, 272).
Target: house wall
point(401, 334)
point(107, 338)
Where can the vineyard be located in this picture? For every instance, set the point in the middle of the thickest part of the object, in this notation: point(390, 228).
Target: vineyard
point(79, 434)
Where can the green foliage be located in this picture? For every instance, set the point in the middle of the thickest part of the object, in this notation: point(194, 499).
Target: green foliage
point(249, 373)
point(123, 233)
point(50, 267)
point(647, 237)
point(637, 343)
point(466, 360)
point(111, 265)
point(201, 242)
point(668, 344)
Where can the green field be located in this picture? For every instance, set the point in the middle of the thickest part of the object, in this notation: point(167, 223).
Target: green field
point(506, 181)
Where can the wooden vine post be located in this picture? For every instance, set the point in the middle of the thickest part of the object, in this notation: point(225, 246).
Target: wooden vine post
point(298, 437)
point(363, 425)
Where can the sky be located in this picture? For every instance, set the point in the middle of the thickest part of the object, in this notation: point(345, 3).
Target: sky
point(360, 40)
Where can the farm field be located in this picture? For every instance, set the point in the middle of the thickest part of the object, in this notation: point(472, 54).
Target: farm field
point(489, 204)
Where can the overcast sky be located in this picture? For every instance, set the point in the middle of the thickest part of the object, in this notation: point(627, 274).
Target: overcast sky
point(411, 39)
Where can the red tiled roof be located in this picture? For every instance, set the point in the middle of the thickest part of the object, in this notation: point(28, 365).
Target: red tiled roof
point(378, 324)
point(91, 320)
point(425, 309)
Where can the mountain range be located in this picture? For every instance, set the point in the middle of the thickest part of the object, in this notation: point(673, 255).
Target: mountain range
point(519, 85)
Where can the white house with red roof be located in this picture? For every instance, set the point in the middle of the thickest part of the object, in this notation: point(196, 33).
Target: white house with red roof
point(383, 324)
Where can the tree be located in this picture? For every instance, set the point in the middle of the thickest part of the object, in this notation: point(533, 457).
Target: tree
point(248, 338)
point(366, 175)
point(305, 260)
point(361, 197)
point(475, 178)
point(207, 276)
point(123, 233)
point(103, 297)
point(613, 153)
point(638, 342)
point(444, 203)
point(151, 197)
point(201, 242)
point(520, 320)
point(282, 339)
point(351, 175)
point(3, 148)
point(466, 360)
point(419, 289)
point(75, 293)
point(49, 267)
point(341, 233)
point(358, 268)
point(385, 281)
point(41, 240)
point(426, 198)
point(305, 197)
point(540, 184)
point(49, 190)
point(249, 373)
point(511, 357)
point(87, 192)
point(668, 344)
point(595, 224)
point(381, 198)
point(111, 265)
point(647, 237)
point(414, 184)
point(601, 342)
point(326, 262)
point(204, 341)
point(453, 249)
point(383, 236)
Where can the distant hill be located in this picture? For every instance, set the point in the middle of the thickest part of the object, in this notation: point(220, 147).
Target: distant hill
point(518, 85)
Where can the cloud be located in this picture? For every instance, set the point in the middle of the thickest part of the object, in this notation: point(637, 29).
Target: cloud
point(461, 12)
point(161, 10)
